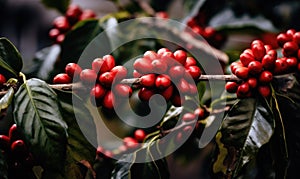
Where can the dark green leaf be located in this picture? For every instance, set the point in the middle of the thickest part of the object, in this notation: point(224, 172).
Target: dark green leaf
point(127, 167)
point(77, 40)
point(289, 106)
point(79, 148)
point(3, 166)
point(6, 99)
point(201, 87)
point(10, 58)
point(247, 126)
point(43, 63)
point(60, 5)
point(37, 113)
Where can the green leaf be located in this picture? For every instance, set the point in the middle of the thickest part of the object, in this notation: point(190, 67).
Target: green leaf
point(6, 100)
point(76, 41)
point(10, 58)
point(126, 168)
point(78, 147)
point(288, 97)
point(3, 166)
point(246, 128)
point(37, 114)
point(201, 87)
point(60, 5)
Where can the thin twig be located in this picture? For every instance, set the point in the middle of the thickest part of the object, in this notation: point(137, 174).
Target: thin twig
point(134, 81)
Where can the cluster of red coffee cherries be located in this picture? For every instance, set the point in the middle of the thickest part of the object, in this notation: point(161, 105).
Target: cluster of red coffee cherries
point(103, 79)
point(169, 74)
point(208, 33)
point(16, 149)
point(130, 143)
point(62, 24)
point(260, 63)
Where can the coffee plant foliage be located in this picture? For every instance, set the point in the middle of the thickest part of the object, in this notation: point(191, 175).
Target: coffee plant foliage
point(256, 133)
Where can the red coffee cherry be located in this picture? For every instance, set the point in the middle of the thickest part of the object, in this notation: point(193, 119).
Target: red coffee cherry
point(290, 48)
point(209, 32)
point(98, 91)
point(61, 23)
point(256, 42)
point(200, 112)
point(177, 99)
point(136, 74)
point(296, 38)
point(180, 56)
point(190, 61)
point(264, 90)
point(188, 129)
point(145, 94)
point(194, 71)
point(242, 72)
point(18, 148)
point(106, 79)
point(176, 72)
point(88, 76)
point(246, 58)
point(60, 38)
point(101, 65)
point(234, 66)
point(280, 66)
point(108, 154)
point(122, 90)
point(130, 143)
point(162, 14)
point(120, 72)
point(53, 33)
point(87, 14)
point(268, 47)
point(108, 100)
point(167, 93)
point(159, 66)
point(2, 80)
point(243, 88)
point(292, 62)
point(161, 51)
point(255, 67)
point(110, 61)
point(73, 12)
point(139, 135)
point(252, 82)
point(143, 65)
point(187, 117)
point(290, 32)
point(4, 142)
point(178, 138)
point(265, 77)
point(183, 86)
point(151, 55)
point(193, 89)
point(62, 78)
point(148, 80)
point(258, 51)
point(169, 58)
point(282, 38)
point(73, 69)
point(13, 133)
point(298, 67)
point(268, 62)
point(162, 81)
point(231, 87)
